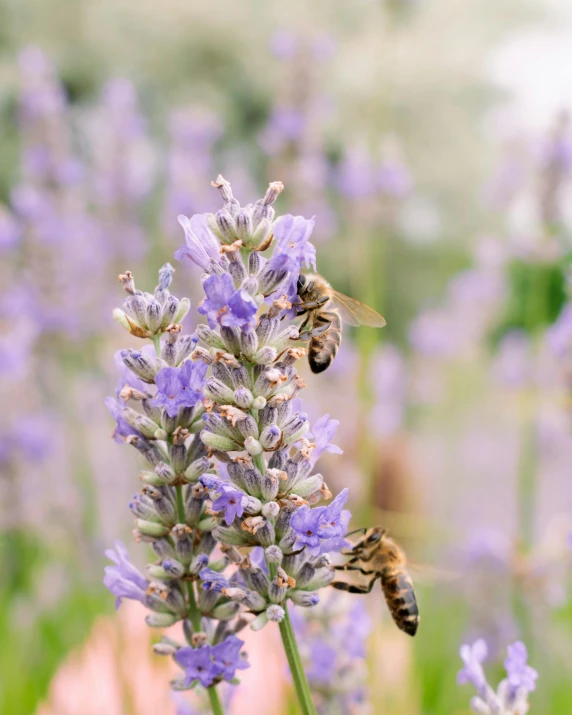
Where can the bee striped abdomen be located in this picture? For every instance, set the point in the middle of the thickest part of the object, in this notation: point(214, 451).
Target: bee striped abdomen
point(400, 596)
point(323, 348)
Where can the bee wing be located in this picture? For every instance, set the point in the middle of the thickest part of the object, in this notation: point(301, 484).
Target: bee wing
point(431, 575)
point(355, 313)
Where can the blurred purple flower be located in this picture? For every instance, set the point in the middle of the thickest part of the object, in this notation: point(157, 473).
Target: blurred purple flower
point(194, 132)
point(511, 366)
point(394, 180)
point(283, 44)
point(31, 433)
point(519, 674)
point(356, 175)
point(559, 335)
point(10, 231)
point(322, 660)
point(473, 656)
point(123, 579)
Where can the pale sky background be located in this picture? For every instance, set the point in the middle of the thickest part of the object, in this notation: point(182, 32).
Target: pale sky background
point(536, 65)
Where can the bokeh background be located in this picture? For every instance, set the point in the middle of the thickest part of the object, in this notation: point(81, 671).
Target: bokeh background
point(431, 140)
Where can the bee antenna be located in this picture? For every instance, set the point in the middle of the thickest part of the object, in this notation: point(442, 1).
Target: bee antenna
point(355, 531)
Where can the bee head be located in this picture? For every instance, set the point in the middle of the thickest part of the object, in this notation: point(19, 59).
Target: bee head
point(376, 535)
point(302, 280)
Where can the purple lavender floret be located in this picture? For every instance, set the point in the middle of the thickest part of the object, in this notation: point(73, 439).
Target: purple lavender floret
point(324, 431)
point(292, 234)
point(306, 523)
point(225, 498)
point(123, 579)
point(210, 663)
point(126, 376)
point(201, 246)
point(322, 529)
point(227, 656)
point(179, 386)
point(198, 665)
point(225, 305)
point(122, 429)
point(213, 580)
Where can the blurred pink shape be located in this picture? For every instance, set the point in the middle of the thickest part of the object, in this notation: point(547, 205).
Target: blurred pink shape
point(115, 672)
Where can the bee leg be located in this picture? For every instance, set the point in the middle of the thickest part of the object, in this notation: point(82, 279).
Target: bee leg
point(351, 588)
point(316, 332)
point(348, 567)
point(313, 304)
point(303, 334)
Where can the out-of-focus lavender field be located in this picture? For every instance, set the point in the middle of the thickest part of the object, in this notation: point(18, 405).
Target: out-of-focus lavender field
point(434, 203)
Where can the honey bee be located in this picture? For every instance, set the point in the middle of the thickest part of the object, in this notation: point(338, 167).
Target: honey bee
point(325, 309)
point(378, 556)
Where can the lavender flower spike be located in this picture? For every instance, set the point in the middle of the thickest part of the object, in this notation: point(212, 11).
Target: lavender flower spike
point(224, 438)
point(511, 696)
point(159, 412)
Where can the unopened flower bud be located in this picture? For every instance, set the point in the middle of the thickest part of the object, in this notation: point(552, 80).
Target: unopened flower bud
point(243, 398)
point(198, 563)
point(164, 649)
point(154, 315)
point(271, 437)
point(248, 341)
point(231, 536)
point(259, 403)
point(248, 427)
point(161, 620)
point(252, 446)
point(210, 337)
point(215, 441)
point(265, 356)
point(226, 611)
point(150, 528)
point(303, 598)
point(183, 309)
point(270, 510)
point(273, 554)
point(269, 485)
point(218, 391)
point(295, 428)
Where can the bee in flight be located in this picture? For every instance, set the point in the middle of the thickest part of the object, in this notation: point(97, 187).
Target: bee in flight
point(325, 309)
point(377, 556)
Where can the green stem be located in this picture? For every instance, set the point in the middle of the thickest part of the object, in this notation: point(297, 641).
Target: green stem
point(295, 663)
point(260, 463)
point(157, 344)
point(216, 704)
point(194, 611)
